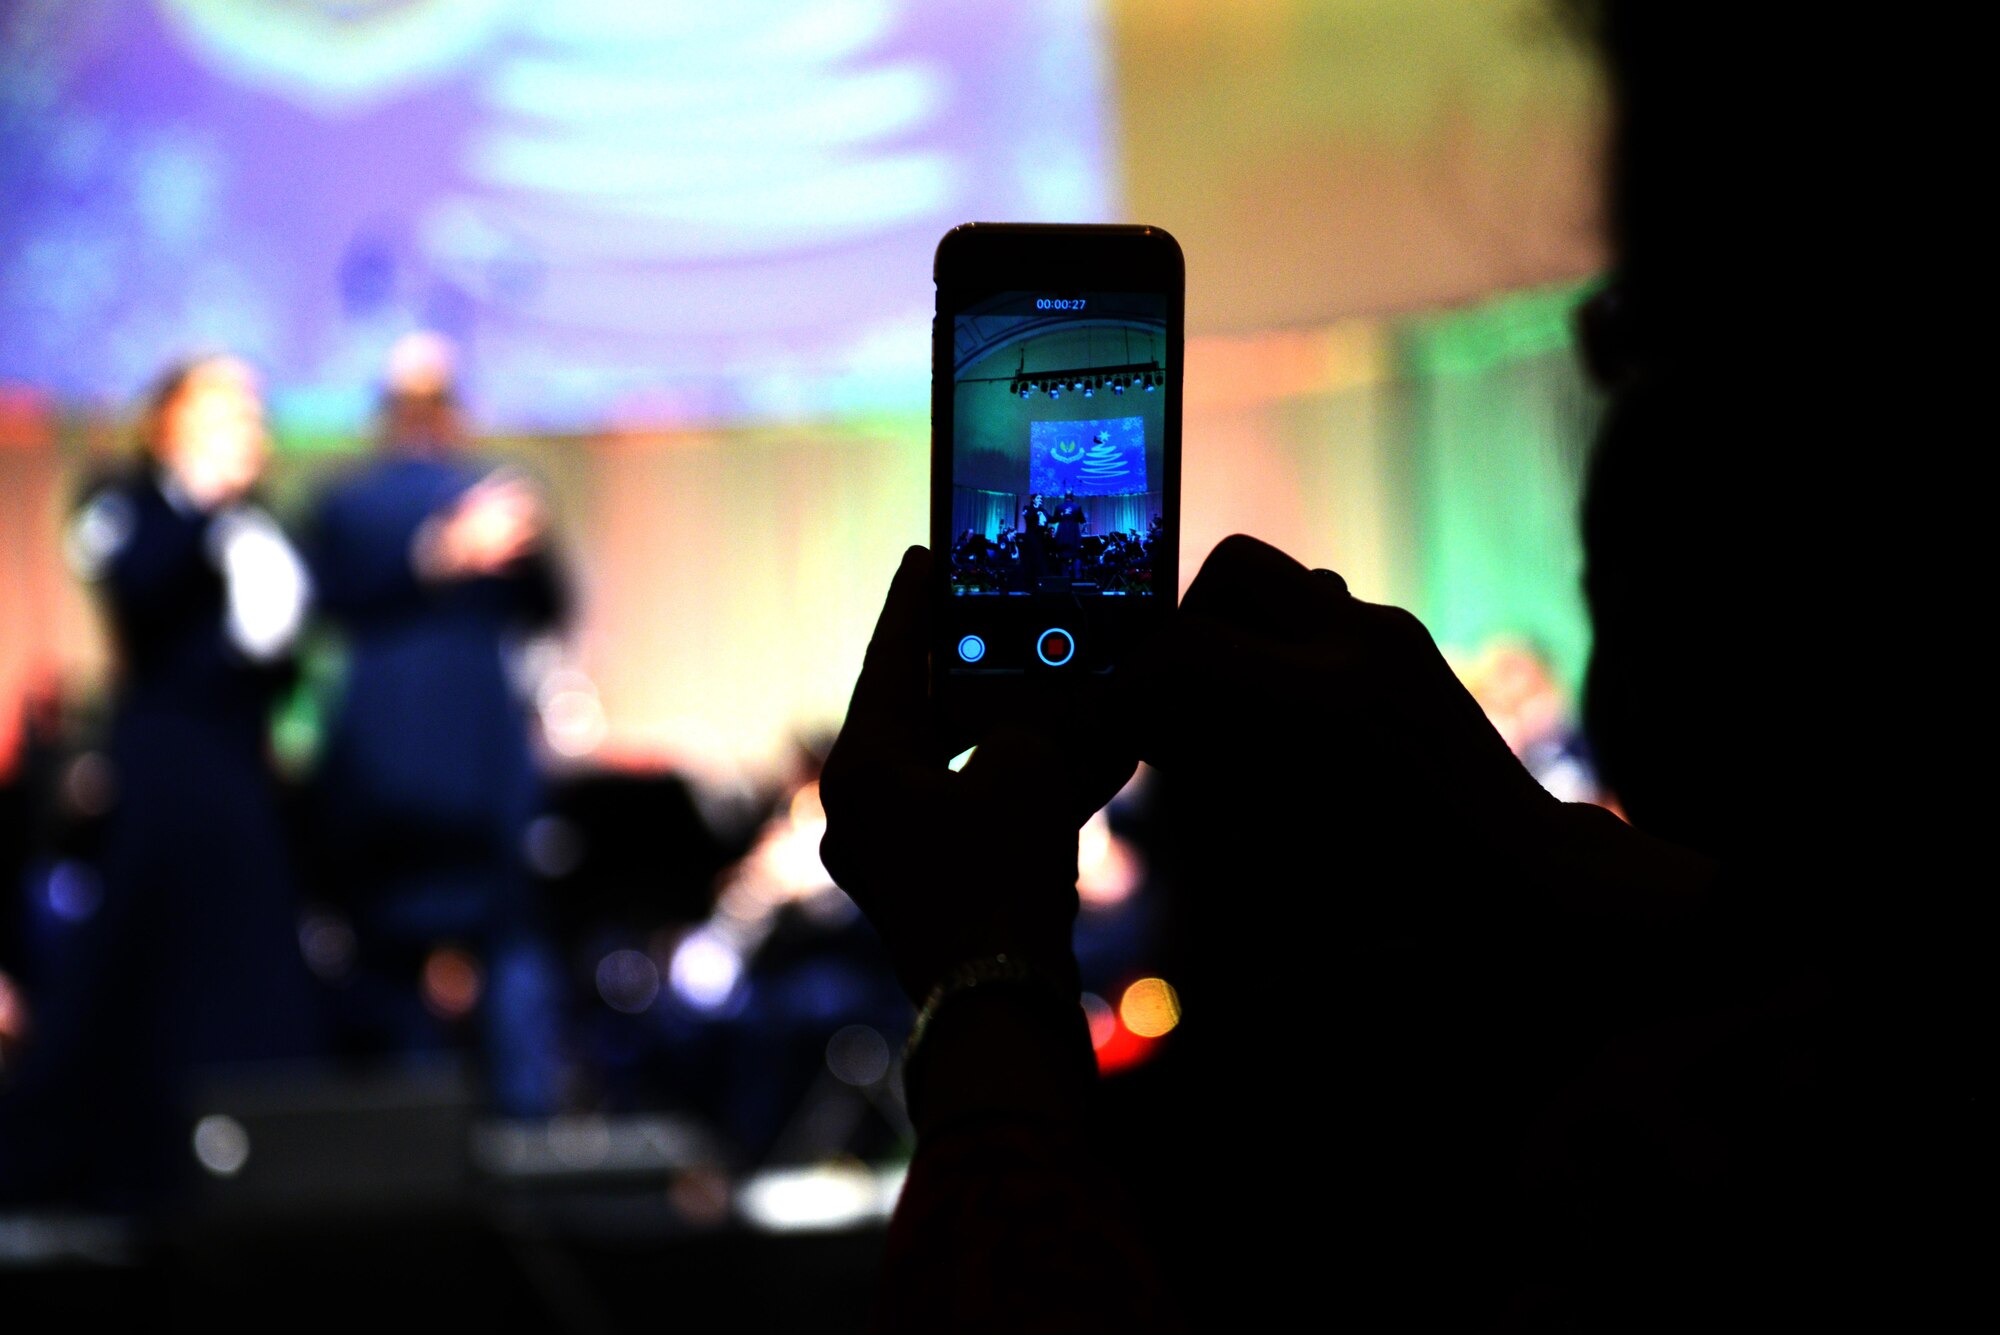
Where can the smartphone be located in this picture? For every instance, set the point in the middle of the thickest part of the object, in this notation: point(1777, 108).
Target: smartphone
point(1055, 460)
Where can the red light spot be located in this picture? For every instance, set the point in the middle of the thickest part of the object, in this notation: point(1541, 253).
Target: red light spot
point(451, 983)
point(1123, 1049)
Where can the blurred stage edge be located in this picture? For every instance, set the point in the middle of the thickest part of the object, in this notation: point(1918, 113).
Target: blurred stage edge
point(321, 1178)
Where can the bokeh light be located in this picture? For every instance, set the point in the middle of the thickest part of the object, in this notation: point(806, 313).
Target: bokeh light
point(74, 891)
point(13, 1010)
point(573, 718)
point(700, 1195)
point(580, 1140)
point(1150, 1008)
point(628, 980)
point(221, 1144)
point(789, 856)
point(1103, 1021)
point(553, 846)
point(90, 784)
point(806, 809)
point(858, 1055)
point(327, 941)
point(452, 982)
point(822, 1197)
point(705, 970)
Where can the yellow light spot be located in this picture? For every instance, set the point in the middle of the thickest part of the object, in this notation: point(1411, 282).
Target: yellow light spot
point(1150, 1008)
point(806, 808)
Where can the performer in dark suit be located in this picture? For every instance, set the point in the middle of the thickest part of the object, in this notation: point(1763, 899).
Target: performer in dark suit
point(1070, 525)
point(182, 951)
point(435, 567)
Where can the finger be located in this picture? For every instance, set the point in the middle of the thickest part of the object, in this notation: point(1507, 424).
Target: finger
point(872, 812)
point(890, 703)
point(524, 516)
point(483, 490)
point(517, 545)
point(516, 500)
point(1062, 773)
point(1258, 587)
point(1206, 683)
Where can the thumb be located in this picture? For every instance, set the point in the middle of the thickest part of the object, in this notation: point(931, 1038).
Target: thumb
point(1044, 778)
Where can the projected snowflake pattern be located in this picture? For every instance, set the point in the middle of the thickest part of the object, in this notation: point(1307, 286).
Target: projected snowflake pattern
point(1100, 457)
point(624, 211)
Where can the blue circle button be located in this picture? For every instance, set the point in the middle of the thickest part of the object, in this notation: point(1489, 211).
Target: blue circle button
point(972, 648)
point(1056, 646)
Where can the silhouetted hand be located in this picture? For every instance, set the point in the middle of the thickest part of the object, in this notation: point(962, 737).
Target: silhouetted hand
point(1274, 676)
point(953, 867)
point(495, 523)
point(1268, 659)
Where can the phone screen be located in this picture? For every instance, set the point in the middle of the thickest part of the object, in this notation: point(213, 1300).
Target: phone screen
point(1060, 476)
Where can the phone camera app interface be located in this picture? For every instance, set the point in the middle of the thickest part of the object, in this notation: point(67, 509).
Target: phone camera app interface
point(1058, 441)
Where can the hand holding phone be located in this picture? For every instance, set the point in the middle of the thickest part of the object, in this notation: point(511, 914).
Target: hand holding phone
point(1055, 465)
point(953, 867)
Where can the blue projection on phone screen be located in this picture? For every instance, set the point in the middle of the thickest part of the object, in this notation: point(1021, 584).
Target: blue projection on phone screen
point(1098, 457)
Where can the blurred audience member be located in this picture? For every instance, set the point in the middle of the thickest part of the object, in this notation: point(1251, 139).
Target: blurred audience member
point(1525, 705)
point(184, 953)
point(436, 567)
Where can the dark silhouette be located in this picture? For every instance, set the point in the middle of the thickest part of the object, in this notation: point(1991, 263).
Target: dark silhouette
point(1035, 525)
point(1457, 1055)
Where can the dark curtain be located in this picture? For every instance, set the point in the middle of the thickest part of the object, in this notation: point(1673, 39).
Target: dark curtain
point(984, 512)
point(1115, 514)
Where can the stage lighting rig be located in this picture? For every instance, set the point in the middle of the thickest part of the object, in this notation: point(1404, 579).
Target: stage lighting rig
point(1145, 376)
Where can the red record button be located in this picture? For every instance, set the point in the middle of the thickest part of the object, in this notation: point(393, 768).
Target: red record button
point(1056, 646)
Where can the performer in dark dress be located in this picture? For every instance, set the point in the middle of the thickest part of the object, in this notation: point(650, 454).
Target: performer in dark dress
point(183, 952)
point(1034, 541)
point(434, 566)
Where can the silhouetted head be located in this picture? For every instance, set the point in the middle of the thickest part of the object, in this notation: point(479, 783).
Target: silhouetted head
point(420, 410)
point(203, 423)
point(1718, 526)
